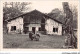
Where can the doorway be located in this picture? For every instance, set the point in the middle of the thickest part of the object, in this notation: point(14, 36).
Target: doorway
point(33, 29)
point(26, 30)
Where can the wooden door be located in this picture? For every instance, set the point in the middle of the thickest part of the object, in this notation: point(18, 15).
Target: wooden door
point(33, 29)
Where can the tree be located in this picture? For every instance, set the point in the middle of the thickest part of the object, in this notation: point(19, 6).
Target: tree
point(72, 40)
point(60, 15)
point(13, 9)
point(57, 14)
point(68, 17)
point(75, 15)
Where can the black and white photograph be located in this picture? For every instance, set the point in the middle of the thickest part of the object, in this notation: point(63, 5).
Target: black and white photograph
point(40, 25)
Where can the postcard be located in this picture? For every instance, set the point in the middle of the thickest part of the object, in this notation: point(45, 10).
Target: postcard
point(39, 25)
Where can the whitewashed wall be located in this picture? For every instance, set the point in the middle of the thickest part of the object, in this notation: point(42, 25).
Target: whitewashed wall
point(17, 22)
point(49, 27)
point(34, 25)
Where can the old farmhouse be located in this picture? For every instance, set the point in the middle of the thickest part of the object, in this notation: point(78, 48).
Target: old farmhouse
point(34, 21)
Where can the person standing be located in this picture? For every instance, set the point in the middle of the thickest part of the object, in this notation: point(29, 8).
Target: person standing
point(31, 35)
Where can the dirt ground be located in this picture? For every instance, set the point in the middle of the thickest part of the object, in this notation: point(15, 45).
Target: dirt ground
point(23, 41)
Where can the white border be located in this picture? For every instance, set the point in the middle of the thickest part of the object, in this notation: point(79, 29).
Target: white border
point(33, 50)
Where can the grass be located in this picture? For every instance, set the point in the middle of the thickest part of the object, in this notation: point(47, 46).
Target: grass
point(23, 41)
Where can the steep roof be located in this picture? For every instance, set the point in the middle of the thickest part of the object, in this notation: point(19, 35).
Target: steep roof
point(36, 11)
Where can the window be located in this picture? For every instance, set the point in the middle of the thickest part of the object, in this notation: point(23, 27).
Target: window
point(13, 28)
point(39, 29)
point(55, 29)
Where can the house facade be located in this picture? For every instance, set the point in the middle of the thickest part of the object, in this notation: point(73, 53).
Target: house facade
point(34, 21)
point(53, 27)
point(15, 25)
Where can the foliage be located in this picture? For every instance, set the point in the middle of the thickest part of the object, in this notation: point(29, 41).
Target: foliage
point(13, 9)
point(10, 13)
point(57, 14)
point(60, 15)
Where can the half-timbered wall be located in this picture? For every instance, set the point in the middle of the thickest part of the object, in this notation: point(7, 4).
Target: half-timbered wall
point(35, 20)
point(53, 27)
point(17, 23)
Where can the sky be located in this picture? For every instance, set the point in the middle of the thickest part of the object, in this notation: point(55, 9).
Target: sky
point(48, 6)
